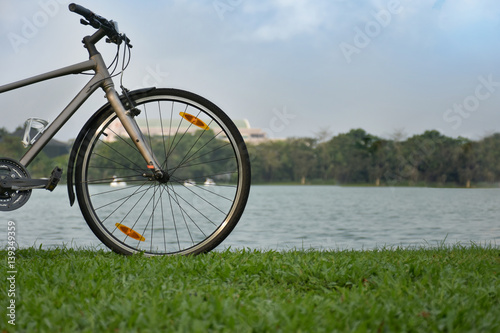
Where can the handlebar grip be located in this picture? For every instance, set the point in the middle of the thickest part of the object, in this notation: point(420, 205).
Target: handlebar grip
point(73, 7)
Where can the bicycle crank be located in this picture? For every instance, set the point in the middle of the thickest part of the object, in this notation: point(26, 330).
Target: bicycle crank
point(12, 199)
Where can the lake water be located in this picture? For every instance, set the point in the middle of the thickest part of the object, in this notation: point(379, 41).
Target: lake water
point(302, 217)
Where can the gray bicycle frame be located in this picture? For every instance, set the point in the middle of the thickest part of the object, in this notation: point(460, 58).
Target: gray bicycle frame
point(100, 79)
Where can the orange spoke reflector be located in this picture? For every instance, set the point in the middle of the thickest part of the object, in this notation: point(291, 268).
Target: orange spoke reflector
point(194, 120)
point(151, 166)
point(129, 232)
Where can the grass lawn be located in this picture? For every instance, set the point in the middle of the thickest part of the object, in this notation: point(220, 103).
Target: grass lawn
point(445, 289)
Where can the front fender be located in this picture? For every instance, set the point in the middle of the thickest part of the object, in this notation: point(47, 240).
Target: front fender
point(83, 133)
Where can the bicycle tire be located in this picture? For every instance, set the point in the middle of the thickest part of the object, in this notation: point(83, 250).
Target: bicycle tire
point(196, 141)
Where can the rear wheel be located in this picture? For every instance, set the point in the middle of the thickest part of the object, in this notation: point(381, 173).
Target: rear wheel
point(189, 212)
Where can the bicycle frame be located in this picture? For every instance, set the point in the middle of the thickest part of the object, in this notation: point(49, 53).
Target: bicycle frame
point(100, 79)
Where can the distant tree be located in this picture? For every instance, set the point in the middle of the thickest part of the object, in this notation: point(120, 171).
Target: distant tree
point(11, 145)
point(488, 158)
point(467, 162)
point(303, 158)
point(380, 152)
point(349, 156)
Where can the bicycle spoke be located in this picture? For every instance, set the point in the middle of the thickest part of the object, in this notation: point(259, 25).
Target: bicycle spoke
point(194, 208)
point(206, 153)
point(163, 134)
point(202, 163)
point(174, 220)
point(175, 135)
point(192, 146)
point(120, 199)
point(151, 217)
point(183, 217)
point(108, 159)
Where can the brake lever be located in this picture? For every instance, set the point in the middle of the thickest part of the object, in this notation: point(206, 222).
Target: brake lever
point(121, 38)
point(93, 23)
point(98, 22)
point(126, 40)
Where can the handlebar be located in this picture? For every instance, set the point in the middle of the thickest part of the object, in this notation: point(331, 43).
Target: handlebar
point(73, 7)
point(98, 22)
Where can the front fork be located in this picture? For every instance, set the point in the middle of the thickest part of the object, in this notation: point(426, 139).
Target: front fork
point(133, 130)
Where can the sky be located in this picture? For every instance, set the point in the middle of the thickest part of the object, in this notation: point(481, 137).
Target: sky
point(293, 68)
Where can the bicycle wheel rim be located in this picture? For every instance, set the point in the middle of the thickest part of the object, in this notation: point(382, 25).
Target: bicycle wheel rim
point(188, 229)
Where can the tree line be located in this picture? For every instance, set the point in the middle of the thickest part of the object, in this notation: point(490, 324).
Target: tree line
point(356, 157)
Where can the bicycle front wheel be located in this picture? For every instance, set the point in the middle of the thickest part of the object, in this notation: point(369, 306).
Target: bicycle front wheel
point(206, 192)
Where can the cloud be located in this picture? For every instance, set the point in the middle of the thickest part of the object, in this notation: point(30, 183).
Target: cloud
point(286, 19)
point(464, 14)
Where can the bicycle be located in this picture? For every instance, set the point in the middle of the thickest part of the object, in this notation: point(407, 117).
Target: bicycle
point(137, 164)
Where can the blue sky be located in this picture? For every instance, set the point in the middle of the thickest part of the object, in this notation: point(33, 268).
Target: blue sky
point(293, 68)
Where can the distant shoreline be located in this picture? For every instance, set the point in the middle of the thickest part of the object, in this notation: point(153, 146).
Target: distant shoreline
point(383, 185)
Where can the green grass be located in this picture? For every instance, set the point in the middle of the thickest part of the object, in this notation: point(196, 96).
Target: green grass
point(445, 289)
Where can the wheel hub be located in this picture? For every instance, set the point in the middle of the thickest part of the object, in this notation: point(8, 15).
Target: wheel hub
point(162, 176)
